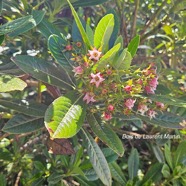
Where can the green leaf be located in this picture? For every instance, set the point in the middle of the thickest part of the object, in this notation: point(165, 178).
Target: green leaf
point(168, 100)
point(117, 173)
point(46, 28)
point(2, 180)
point(103, 31)
point(106, 134)
point(158, 153)
point(124, 61)
point(80, 26)
point(43, 70)
point(65, 116)
point(36, 19)
point(2, 37)
point(10, 83)
point(55, 177)
point(90, 34)
point(82, 3)
point(30, 108)
point(1, 6)
point(133, 45)
point(165, 171)
point(16, 24)
point(97, 159)
point(109, 154)
point(106, 57)
point(133, 163)
point(154, 174)
point(168, 156)
point(56, 45)
point(164, 119)
point(180, 153)
point(22, 124)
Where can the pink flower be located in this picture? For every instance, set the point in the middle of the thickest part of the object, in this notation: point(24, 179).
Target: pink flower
point(78, 70)
point(149, 90)
point(151, 113)
point(142, 108)
point(129, 103)
point(89, 97)
point(128, 88)
point(153, 83)
point(97, 79)
point(160, 105)
point(94, 54)
point(110, 108)
point(107, 116)
point(69, 47)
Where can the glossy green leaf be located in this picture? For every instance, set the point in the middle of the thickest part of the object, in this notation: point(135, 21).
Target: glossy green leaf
point(168, 156)
point(117, 173)
point(168, 100)
point(80, 26)
point(133, 45)
point(180, 153)
point(37, 16)
point(106, 57)
point(64, 117)
point(43, 70)
point(103, 31)
point(56, 45)
point(133, 163)
point(46, 28)
point(10, 83)
point(97, 159)
point(27, 107)
point(15, 24)
point(22, 124)
point(164, 119)
point(153, 174)
point(106, 134)
point(2, 37)
point(124, 61)
point(90, 34)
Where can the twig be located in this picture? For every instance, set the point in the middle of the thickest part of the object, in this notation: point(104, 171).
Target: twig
point(18, 178)
point(133, 31)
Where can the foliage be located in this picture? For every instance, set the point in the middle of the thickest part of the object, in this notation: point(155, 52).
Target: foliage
point(78, 89)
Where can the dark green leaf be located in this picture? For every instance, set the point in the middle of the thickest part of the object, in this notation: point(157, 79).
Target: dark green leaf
point(46, 28)
point(43, 70)
point(106, 134)
point(1, 6)
point(30, 108)
point(154, 174)
point(9, 83)
point(180, 153)
point(133, 163)
point(88, 3)
point(55, 177)
point(97, 159)
point(2, 180)
point(22, 124)
point(133, 45)
point(65, 116)
point(168, 156)
point(117, 173)
point(164, 119)
point(2, 37)
point(37, 18)
point(158, 153)
point(10, 68)
point(56, 45)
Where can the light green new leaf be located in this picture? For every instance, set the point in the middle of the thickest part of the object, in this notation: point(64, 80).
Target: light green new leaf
point(30, 108)
point(117, 173)
point(164, 119)
point(106, 57)
point(10, 83)
point(97, 159)
point(13, 25)
point(124, 61)
point(133, 163)
point(80, 26)
point(106, 134)
point(43, 70)
point(64, 117)
point(21, 124)
point(133, 45)
point(37, 16)
point(103, 31)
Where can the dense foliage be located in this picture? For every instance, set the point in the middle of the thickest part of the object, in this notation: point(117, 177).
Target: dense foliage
point(92, 92)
